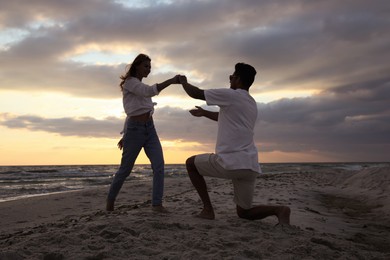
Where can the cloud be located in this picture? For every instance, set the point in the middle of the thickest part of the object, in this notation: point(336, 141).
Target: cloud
point(80, 127)
point(351, 122)
point(298, 44)
point(338, 48)
point(172, 123)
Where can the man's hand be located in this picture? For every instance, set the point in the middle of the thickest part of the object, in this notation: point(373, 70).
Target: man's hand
point(176, 79)
point(198, 112)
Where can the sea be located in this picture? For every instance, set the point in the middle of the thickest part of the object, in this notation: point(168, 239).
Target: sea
point(17, 182)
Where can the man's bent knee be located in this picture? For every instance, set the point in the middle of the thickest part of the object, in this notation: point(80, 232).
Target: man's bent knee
point(190, 162)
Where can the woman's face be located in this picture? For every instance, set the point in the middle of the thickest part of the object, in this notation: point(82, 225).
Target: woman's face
point(143, 69)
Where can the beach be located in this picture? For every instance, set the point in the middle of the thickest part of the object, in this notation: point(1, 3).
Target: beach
point(336, 214)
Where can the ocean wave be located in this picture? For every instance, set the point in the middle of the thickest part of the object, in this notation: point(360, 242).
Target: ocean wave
point(31, 180)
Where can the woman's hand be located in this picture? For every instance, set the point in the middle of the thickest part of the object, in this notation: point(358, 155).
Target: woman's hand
point(182, 79)
point(120, 144)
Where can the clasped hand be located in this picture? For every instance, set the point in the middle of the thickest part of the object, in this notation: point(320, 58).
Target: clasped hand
point(180, 79)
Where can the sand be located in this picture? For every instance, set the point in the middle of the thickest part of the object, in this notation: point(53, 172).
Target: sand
point(335, 215)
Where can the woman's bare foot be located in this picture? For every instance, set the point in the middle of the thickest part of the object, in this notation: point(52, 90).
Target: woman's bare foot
point(110, 205)
point(206, 214)
point(283, 214)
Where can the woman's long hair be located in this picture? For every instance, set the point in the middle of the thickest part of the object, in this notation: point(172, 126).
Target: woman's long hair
point(132, 71)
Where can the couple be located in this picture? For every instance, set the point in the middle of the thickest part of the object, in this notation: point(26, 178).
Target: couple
point(235, 155)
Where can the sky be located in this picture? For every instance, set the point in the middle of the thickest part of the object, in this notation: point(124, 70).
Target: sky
point(322, 86)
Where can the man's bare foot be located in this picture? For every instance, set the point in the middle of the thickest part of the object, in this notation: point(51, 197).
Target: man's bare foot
point(283, 214)
point(159, 209)
point(206, 214)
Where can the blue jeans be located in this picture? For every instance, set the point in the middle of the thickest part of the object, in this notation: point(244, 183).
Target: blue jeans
point(140, 135)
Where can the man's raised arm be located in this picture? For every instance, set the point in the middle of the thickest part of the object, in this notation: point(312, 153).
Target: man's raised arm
point(191, 90)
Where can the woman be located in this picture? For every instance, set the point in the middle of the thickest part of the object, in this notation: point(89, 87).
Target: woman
point(139, 131)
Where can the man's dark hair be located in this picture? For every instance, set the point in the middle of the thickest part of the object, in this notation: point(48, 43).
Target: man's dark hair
point(246, 73)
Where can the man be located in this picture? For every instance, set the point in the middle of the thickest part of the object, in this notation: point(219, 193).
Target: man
point(235, 155)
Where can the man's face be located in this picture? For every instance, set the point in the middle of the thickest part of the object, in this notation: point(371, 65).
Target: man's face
point(233, 81)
